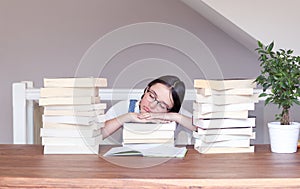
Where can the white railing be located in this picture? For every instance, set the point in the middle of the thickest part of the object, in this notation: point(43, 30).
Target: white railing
point(24, 94)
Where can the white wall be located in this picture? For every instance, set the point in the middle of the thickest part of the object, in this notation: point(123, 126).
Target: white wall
point(265, 20)
point(48, 38)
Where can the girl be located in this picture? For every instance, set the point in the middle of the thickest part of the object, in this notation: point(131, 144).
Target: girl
point(160, 102)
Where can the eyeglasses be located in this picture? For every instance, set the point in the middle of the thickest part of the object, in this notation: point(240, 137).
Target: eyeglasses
point(152, 97)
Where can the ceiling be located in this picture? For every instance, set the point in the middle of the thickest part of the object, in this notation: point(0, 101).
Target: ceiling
point(250, 20)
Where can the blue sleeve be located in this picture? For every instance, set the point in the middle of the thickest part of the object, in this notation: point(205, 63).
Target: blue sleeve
point(132, 105)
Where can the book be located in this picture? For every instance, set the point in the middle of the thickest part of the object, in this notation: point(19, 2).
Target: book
point(84, 107)
point(229, 131)
point(71, 149)
point(226, 143)
point(68, 100)
point(129, 134)
point(224, 137)
point(146, 150)
point(52, 125)
point(207, 108)
point(52, 132)
point(68, 92)
point(226, 99)
point(225, 84)
point(79, 120)
point(72, 140)
point(224, 123)
point(149, 141)
point(75, 82)
point(149, 132)
point(224, 150)
point(233, 91)
point(73, 112)
point(227, 114)
point(149, 127)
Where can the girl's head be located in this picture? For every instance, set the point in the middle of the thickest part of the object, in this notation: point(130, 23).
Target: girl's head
point(164, 94)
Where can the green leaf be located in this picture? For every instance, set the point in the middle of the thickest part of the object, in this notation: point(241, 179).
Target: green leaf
point(260, 44)
point(270, 47)
point(263, 95)
point(289, 51)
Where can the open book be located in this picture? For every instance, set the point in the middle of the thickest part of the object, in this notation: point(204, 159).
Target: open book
point(148, 150)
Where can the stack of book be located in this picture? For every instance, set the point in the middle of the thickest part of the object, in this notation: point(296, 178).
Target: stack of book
point(73, 115)
point(148, 133)
point(221, 113)
point(149, 140)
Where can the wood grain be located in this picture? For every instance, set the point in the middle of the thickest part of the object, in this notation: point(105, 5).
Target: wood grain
point(26, 166)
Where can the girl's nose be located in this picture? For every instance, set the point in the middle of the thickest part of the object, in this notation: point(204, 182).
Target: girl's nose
point(153, 104)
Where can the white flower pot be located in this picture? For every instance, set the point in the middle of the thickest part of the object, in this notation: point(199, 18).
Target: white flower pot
point(283, 138)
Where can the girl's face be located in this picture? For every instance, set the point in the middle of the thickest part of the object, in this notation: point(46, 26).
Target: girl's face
point(157, 98)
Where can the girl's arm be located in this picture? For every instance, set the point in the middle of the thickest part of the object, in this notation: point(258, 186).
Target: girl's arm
point(171, 116)
point(114, 124)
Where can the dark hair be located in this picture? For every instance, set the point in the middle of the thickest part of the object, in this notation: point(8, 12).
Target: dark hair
point(177, 88)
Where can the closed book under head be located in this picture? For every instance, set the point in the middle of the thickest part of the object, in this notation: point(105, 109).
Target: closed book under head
point(149, 127)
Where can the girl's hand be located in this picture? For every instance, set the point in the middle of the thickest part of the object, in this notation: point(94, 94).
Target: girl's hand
point(156, 117)
point(133, 117)
point(136, 117)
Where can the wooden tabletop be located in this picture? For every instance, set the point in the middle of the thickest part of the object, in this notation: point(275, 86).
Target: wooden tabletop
point(26, 166)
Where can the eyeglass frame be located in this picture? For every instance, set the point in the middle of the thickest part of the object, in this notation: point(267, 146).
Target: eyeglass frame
point(154, 99)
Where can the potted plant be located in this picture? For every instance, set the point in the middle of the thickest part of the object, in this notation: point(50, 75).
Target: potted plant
point(280, 74)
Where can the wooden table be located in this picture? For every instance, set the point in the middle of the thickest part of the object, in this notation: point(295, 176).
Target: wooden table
point(25, 166)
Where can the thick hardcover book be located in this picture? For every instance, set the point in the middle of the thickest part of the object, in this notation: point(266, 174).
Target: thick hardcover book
point(84, 107)
point(71, 149)
point(224, 150)
point(149, 127)
point(68, 100)
point(224, 123)
point(52, 125)
point(236, 91)
point(207, 108)
point(73, 112)
point(228, 131)
point(227, 143)
point(72, 140)
point(75, 82)
point(219, 138)
point(226, 99)
point(224, 84)
point(149, 141)
point(148, 132)
point(228, 114)
point(80, 120)
point(68, 92)
point(52, 132)
point(129, 134)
